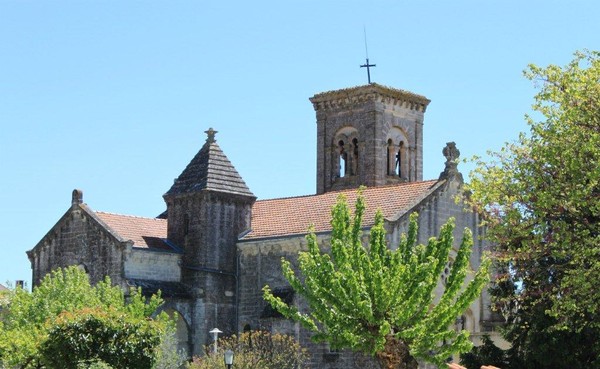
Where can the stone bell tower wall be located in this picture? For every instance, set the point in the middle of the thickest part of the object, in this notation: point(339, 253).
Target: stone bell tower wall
point(368, 135)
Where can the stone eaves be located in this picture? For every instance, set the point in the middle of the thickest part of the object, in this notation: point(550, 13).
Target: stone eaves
point(353, 95)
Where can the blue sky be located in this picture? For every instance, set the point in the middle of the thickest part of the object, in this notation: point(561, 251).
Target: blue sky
point(113, 97)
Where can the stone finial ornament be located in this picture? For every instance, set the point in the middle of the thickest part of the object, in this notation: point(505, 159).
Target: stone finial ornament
point(211, 135)
point(451, 153)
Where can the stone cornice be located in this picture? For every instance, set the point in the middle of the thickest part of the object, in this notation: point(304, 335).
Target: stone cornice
point(372, 92)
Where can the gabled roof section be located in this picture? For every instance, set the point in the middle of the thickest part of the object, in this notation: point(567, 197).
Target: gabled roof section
point(210, 170)
point(147, 233)
point(2, 288)
point(292, 216)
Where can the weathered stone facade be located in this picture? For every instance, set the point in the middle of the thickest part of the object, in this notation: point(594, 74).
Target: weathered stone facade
point(80, 238)
point(369, 135)
point(215, 247)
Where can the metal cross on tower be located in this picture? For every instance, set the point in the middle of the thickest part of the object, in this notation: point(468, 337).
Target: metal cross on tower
point(368, 66)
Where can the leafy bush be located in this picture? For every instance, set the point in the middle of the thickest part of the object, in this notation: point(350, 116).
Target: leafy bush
point(255, 350)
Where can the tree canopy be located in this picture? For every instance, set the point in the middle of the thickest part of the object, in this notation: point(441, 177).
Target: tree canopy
point(380, 300)
point(541, 196)
point(65, 321)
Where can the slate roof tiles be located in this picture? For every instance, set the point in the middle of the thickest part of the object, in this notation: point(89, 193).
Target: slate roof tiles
point(211, 170)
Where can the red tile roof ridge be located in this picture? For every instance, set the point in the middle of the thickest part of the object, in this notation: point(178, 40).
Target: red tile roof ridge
point(352, 190)
point(130, 216)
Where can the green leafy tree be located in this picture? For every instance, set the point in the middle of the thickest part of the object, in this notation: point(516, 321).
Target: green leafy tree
point(541, 195)
point(33, 321)
point(381, 301)
point(255, 350)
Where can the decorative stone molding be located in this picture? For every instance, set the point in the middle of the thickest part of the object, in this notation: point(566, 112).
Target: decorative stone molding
point(372, 92)
point(451, 170)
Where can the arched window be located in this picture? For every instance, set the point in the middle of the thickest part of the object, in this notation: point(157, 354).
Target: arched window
point(83, 267)
point(345, 153)
point(181, 331)
point(343, 164)
point(398, 160)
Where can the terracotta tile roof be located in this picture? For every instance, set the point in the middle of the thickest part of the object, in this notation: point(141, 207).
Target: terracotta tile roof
point(293, 215)
point(149, 233)
point(2, 288)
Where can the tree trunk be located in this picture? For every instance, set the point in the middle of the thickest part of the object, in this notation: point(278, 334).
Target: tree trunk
point(396, 355)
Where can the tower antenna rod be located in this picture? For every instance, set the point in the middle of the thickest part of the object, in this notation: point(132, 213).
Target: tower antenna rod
point(367, 65)
point(366, 48)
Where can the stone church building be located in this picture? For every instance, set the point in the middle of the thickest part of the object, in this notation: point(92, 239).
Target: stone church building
point(216, 245)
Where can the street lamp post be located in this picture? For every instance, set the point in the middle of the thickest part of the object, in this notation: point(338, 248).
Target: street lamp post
point(228, 357)
point(215, 332)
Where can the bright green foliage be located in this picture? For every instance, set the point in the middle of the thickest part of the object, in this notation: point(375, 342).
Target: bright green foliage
point(255, 350)
point(542, 199)
point(30, 318)
point(382, 301)
point(5, 297)
point(168, 355)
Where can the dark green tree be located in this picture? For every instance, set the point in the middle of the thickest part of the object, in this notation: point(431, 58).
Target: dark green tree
point(101, 335)
point(485, 354)
point(541, 196)
point(379, 300)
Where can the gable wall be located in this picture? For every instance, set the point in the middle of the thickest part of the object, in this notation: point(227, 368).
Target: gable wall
point(77, 239)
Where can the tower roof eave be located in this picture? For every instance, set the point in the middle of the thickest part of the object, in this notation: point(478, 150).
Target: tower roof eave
point(366, 92)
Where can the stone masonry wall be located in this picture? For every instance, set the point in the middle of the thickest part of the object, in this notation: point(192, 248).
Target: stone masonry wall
point(373, 119)
point(207, 226)
point(153, 265)
point(78, 239)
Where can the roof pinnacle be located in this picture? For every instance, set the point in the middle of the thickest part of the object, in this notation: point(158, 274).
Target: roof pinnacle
point(452, 154)
point(211, 135)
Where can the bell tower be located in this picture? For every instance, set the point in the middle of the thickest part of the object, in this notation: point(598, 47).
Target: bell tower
point(368, 135)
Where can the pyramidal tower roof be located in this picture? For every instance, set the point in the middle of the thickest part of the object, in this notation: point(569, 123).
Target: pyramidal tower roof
point(210, 170)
